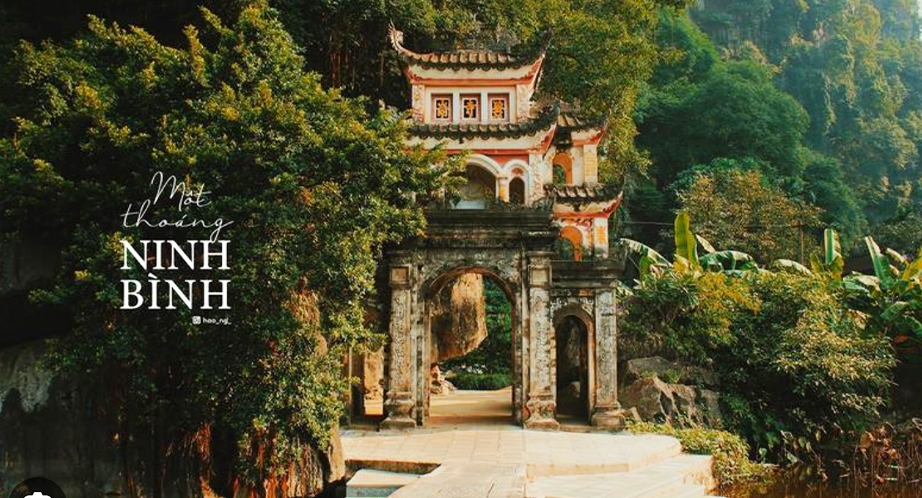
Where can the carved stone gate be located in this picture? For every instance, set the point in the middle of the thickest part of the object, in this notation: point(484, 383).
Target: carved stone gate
point(515, 248)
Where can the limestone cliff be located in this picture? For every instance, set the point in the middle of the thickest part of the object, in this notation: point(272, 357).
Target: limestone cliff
point(65, 428)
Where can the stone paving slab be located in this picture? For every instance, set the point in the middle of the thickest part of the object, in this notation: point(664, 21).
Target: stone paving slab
point(542, 453)
point(502, 462)
point(680, 475)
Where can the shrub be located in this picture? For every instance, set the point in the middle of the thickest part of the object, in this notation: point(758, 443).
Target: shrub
point(481, 382)
point(795, 363)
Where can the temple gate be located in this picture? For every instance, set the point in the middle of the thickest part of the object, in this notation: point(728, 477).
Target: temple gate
point(532, 188)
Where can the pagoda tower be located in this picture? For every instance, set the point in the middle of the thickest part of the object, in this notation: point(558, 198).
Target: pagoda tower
point(519, 152)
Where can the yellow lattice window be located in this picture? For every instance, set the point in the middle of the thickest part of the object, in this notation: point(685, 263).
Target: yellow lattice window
point(499, 109)
point(470, 108)
point(441, 108)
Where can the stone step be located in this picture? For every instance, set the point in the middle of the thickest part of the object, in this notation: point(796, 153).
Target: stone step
point(369, 483)
point(678, 476)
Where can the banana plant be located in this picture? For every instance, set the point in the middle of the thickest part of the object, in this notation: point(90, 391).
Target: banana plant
point(832, 265)
point(894, 293)
point(686, 254)
point(686, 245)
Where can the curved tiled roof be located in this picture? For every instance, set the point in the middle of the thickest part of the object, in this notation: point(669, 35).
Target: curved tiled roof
point(461, 59)
point(543, 121)
point(570, 121)
point(583, 193)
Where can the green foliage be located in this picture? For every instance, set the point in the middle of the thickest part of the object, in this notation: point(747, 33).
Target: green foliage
point(731, 453)
point(742, 211)
point(314, 186)
point(796, 361)
point(734, 111)
point(481, 381)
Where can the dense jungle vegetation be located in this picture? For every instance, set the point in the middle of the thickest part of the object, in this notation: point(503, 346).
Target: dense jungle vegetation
point(765, 120)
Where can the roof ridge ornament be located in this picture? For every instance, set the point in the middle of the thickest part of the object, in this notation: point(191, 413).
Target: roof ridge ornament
point(461, 59)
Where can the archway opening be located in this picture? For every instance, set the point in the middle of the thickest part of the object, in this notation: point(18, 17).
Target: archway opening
point(573, 368)
point(563, 169)
point(570, 244)
point(517, 191)
point(479, 192)
point(472, 364)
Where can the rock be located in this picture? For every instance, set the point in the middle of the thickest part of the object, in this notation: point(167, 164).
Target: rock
point(459, 318)
point(679, 405)
point(373, 375)
point(67, 427)
point(669, 371)
point(440, 385)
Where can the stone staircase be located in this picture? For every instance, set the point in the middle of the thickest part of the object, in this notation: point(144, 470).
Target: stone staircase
point(680, 476)
point(636, 467)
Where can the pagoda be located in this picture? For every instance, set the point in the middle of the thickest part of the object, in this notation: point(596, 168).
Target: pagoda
point(532, 190)
point(519, 152)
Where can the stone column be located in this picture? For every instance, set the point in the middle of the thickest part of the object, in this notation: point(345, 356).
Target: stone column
point(398, 401)
point(599, 234)
point(502, 184)
point(541, 403)
point(607, 412)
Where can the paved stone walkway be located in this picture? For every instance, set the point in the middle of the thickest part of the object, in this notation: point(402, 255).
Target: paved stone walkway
point(511, 462)
point(471, 449)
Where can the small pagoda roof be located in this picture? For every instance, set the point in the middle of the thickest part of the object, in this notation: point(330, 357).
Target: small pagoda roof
point(571, 121)
point(462, 59)
point(543, 121)
point(571, 194)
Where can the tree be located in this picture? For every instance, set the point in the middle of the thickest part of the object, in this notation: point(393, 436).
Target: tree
point(738, 209)
point(735, 112)
point(312, 183)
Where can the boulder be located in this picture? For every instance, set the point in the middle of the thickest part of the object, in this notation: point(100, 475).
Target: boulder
point(440, 385)
point(459, 318)
point(678, 405)
point(669, 371)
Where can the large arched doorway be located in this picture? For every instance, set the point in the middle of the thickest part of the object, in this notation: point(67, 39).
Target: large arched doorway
point(574, 366)
point(471, 349)
point(479, 191)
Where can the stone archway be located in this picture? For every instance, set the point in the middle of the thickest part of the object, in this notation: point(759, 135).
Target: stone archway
point(433, 293)
point(514, 248)
point(575, 362)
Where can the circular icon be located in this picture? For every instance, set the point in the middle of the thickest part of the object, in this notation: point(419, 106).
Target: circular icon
point(37, 487)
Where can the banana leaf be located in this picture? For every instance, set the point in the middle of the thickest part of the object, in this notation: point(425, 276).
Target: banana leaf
point(790, 266)
point(728, 260)
point(686, 245)
point(879, 261)
point(708, 248)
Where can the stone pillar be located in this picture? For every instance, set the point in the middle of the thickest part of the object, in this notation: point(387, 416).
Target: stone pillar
point(599, 234)
point(607, 412)
point(503, 190)
point(398, 402)
point(541, 402)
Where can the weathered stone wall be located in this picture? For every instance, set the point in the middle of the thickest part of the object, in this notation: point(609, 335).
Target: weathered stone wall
point(65, 428)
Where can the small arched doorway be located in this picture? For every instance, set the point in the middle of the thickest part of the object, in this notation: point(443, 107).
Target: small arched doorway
point(574, 362)
point(517, 191)
point(471, 349)
point(563, 169)
point(570, 245)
